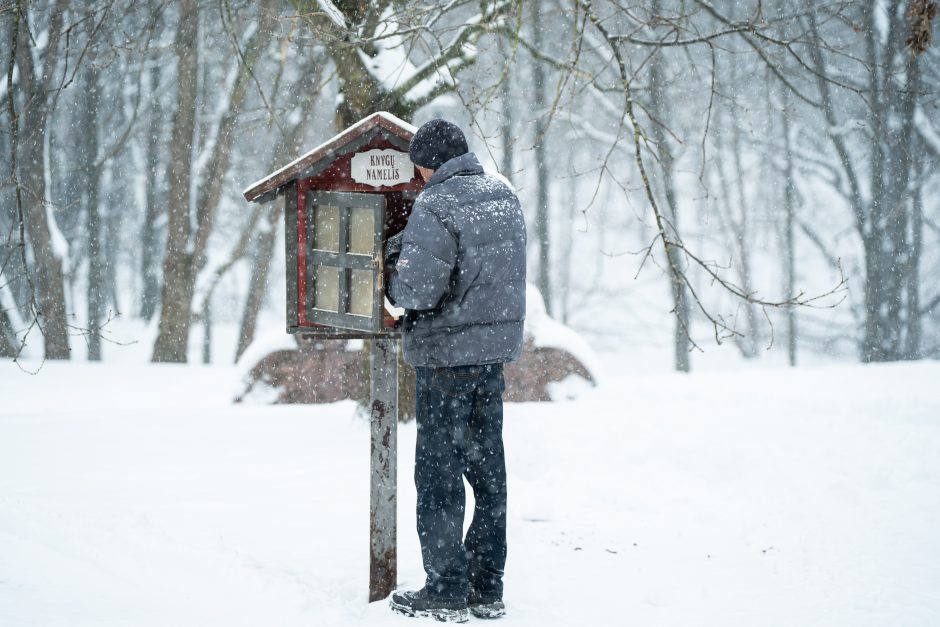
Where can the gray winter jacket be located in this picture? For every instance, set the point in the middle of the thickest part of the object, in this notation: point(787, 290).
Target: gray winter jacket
point(461, 272)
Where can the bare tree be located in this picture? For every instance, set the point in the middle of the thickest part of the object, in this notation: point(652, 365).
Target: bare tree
point(186, 249)
point(542, 212)
point(658, 107)
point(642, 105)
point(94, 231)
point(37, 86)
point(789, 222)
point(875, 174)
point(178, 270)
point(300, 95)
point(667, 237)
point(150, 253)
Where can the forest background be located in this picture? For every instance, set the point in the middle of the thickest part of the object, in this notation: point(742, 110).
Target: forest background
point(763, 175)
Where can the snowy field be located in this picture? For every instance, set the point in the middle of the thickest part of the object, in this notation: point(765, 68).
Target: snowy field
point(136, 495)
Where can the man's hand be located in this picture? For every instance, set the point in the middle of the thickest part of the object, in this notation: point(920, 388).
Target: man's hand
point(393, 248)
point(392, 252)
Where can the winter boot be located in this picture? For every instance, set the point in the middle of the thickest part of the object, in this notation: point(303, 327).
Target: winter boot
point(484, 605)
point(420, 603)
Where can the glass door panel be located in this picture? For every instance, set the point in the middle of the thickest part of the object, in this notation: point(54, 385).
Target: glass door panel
point(361, 231)
point(326, 228)
point(360, 292)
point(326, 288)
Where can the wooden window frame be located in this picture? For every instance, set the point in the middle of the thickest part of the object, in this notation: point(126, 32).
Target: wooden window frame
point(345, 260)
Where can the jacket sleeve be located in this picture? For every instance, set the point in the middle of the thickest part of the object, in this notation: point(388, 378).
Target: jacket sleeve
point(428, 255)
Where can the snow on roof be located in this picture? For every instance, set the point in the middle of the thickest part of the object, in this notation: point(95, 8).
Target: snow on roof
point(394, 119)
point(259, 187)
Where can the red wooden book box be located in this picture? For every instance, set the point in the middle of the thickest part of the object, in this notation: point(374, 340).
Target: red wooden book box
point(342, 200)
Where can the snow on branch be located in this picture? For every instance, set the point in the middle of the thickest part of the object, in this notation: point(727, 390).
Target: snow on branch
point(333, 13)
point(430, 76)
point(393, 71)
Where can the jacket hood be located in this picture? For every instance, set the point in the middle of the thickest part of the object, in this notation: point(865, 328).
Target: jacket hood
point(466, 163)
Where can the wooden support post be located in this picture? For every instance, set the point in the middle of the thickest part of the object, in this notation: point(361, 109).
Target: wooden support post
point(383, 557)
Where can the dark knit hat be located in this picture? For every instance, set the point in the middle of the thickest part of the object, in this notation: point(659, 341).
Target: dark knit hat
point(437, 142)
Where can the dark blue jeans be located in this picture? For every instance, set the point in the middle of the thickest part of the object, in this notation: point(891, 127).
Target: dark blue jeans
point(460, 434)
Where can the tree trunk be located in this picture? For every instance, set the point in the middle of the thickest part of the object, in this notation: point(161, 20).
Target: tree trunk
point(505, 124)
point(210, 193)
point(748, 343)
point(257, 286)
point(188, 265)
point(40, 222)
point(659, 108)
point(789, 253)
point(734, 226)
point(882, 220)
point(118, 205)
point(178, 276)
point(8, 340)
point(93, 234)
point(566, 254)
point(542, 227)
point(150, 252)
point(887, 239)
point(207, 332)
point(912, 348)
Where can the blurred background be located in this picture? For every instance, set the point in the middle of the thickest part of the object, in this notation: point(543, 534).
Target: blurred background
point(753, 180)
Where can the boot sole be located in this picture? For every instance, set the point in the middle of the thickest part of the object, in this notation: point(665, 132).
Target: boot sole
point(488, 610)
point(441, 615)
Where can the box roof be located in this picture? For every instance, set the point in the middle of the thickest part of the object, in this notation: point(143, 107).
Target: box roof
point(266, 188)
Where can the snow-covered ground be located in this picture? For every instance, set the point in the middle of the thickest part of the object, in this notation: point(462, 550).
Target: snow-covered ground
point(138, 495)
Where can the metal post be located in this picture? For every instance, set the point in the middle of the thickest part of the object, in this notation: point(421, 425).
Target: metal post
point(383, 495)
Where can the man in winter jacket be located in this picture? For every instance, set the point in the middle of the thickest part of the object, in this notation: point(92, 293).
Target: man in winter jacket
point(460, 276)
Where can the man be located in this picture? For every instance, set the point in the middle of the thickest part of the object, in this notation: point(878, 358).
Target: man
point(460, 276)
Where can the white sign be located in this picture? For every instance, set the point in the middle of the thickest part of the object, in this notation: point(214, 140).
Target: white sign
point(382, 167)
